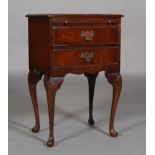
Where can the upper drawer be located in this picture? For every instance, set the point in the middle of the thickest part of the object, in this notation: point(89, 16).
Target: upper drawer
point(89, 35)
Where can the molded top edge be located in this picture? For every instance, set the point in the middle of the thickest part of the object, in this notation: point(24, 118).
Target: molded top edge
point(75, 15)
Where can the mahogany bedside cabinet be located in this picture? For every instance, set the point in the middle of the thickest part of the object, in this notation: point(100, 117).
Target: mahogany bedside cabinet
point(73, 43)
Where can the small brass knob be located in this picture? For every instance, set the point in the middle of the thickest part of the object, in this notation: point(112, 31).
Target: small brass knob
point(65, 22)
point(109, 21)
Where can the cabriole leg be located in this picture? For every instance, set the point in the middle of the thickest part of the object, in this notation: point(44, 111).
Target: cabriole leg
point(33, 77)
point(115, 80)
point(91, 83)
point(51, 86)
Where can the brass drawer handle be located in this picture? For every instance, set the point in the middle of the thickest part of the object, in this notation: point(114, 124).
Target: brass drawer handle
point(87, 56)
point(87, 35)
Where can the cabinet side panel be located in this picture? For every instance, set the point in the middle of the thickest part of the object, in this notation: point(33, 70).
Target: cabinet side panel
point(39, 44)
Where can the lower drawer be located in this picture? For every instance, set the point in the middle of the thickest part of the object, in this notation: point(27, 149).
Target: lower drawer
point(76, 57)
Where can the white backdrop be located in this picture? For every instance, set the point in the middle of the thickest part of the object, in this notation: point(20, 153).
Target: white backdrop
point(133, 27)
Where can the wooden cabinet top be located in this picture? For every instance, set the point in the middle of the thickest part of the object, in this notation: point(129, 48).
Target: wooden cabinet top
point(76, 15)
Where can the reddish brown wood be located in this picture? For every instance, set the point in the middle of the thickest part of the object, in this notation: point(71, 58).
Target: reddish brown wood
point(72, 57)
point(72, 21)
point(62, 71)
point(115, 80)
point(39, 44)
point(43, 34)
point(73, 43)
point(91, 83)
point(33, 78)
point(51, 86)
point(72, 35)
point(76, 15)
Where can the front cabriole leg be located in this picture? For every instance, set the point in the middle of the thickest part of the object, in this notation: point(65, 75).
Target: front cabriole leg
point(91, 84)
point(34, 77)
point(51, 87)
point(115, 80)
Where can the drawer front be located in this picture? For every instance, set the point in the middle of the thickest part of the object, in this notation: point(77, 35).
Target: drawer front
point(86, 35)
point(61, 22)
point(80, 57)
